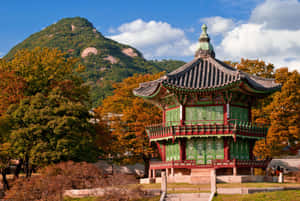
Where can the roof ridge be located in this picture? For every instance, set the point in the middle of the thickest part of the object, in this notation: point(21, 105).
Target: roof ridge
point(206, 73)
point(183, 68)
point(231, 70)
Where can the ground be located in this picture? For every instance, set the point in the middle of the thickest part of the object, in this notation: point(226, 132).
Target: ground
point(274, 196)
point(292, 195)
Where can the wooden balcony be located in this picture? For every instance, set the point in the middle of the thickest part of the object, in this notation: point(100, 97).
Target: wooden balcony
point(234, 128)
point(189, 164)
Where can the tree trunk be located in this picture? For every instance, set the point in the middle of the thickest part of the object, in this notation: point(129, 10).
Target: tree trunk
point(18, 169)
point(146, 160)
point(4, 179)
point(27, 167)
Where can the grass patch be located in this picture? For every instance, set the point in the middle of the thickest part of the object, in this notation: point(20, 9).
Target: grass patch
point(266, 196)
point(156, 198)
point(258, 185)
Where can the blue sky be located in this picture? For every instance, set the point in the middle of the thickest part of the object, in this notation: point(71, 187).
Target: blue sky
point(168, 29)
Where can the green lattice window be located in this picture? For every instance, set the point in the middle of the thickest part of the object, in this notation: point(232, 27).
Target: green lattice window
point(239, 113)
point(173, 117)
point(204, 150)
point(172, 151)
point(196, 115)
point(239, 149)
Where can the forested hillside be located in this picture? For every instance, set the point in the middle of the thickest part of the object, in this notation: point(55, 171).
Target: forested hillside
point(106, 61)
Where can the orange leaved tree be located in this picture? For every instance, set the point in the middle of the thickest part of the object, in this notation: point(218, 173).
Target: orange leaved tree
point(127, 115)
point(11, 87)
point(284, 115)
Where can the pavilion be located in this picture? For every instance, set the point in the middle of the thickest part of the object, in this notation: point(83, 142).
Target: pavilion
point(206, 123)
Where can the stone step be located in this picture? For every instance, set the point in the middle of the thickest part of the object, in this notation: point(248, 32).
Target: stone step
point(200, 172)
point(188, 197)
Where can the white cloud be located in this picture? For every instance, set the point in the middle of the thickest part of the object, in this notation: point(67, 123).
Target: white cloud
point(154, 38)
point(218, 25)
point(277, 14)
point(271, 34)
point(191, 30)
point(1, 54)
point(252, 41)
point(112, 30)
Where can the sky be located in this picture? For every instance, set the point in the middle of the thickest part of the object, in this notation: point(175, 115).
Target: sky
point(268, 30)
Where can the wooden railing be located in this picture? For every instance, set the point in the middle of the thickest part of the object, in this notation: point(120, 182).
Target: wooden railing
point(215, 164)
point(240, 163)
point(232, 127)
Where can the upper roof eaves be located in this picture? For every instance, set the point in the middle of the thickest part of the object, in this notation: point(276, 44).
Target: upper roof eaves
point(205, 72)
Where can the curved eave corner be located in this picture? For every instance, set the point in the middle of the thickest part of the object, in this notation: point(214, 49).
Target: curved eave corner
point(262, 89)
point(144, 92)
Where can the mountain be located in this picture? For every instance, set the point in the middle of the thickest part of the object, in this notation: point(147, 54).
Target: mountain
point(106, 61)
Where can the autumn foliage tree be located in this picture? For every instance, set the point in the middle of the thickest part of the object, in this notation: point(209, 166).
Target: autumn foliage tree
point(51, 129)
point(12, 89)
point(44, 69)
point(53, 180)
point(6, 151)
point(280, 111)
point(127, 116)
point(47, 106)
point(256, 67)
point(284, 116)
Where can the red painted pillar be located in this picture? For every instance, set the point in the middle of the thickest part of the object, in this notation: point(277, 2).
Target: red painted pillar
point(225, 114)
point(164, 152)
point(182, 144)
point(164, 117)
point(182, 120)
point(160, 151)
point(226, 149)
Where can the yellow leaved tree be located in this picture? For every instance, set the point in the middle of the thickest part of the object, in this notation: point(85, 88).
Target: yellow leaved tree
point(127, 115)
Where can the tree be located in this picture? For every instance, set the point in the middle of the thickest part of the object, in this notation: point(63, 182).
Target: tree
point(53, 115)
point(53, 180)
point(284, 113)
point(49, 129)
point(6, 155)
point(256, 67)
point(44, 69)
point(12, 87)
point(281, 110)
point(6, 151)
point(127, 116)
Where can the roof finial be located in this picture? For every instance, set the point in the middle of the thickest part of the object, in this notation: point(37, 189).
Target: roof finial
point(204, 30)
point(205, 49)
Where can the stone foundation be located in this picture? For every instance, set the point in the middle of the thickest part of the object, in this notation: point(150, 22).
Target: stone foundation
point(245, 179)
point(205, 179)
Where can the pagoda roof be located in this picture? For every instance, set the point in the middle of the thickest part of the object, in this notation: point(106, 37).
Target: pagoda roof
point(206, 73)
